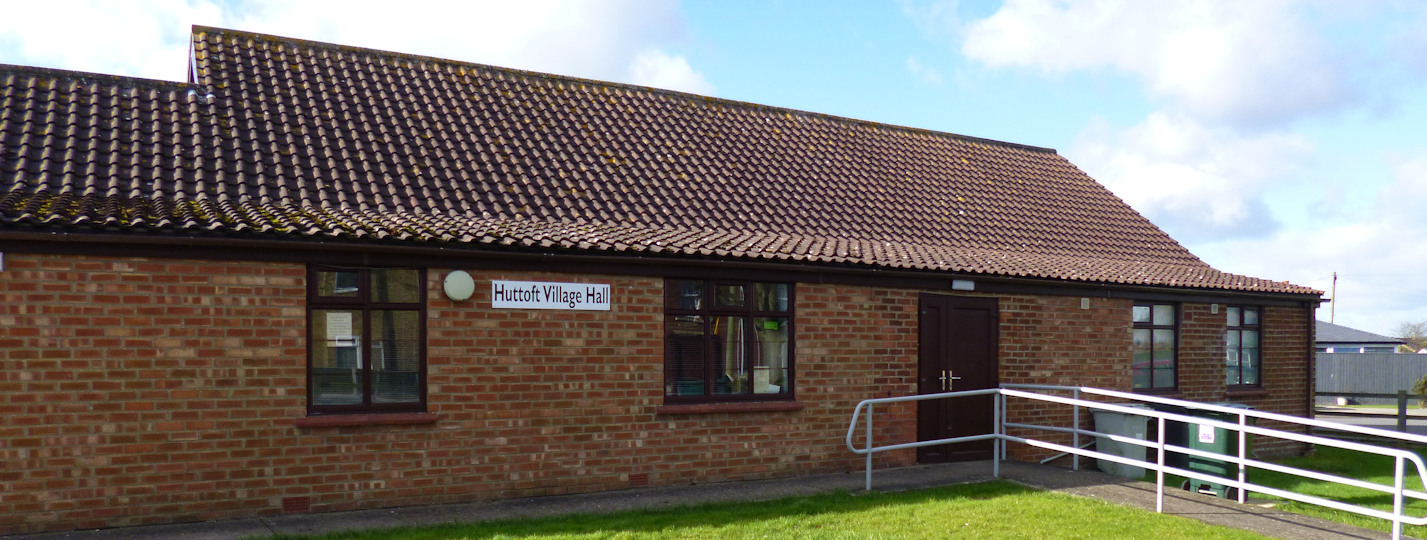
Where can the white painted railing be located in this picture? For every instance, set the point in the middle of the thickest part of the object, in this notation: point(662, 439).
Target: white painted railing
point(1242, 461)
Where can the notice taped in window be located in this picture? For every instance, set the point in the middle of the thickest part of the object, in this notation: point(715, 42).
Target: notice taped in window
point(339, 326)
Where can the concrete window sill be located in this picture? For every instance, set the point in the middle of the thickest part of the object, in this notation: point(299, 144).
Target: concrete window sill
point(1246, 393)
point(713, 408)
point(371, 419)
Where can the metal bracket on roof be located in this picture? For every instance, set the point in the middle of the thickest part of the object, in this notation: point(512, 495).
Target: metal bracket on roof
point(192, 64)
point(205, 98)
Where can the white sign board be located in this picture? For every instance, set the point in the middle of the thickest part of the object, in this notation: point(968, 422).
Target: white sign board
point(543, 295)
point(1206, 434)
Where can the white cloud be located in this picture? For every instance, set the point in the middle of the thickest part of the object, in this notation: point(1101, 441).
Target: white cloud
point(1410, 40)
point(937, 19)
point(599, 39)
point(923, 73)
point(1194, 181)
point(142, 38)
point(1247, 63)
point(654, 68)
point(1380, 260)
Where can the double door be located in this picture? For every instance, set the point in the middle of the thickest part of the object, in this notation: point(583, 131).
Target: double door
point(958, 337)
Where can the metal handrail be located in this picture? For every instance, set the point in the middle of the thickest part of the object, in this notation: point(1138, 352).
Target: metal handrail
point(1242, 461)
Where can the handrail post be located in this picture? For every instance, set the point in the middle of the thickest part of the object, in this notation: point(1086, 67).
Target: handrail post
point(1397, 499)
point(1159, 473)
point(1075, 438)
point(870, 446)
point(998, 427)
point(1243, 450)
point(1005, 415)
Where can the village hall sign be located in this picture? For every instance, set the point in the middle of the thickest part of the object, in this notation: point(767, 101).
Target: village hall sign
point(544, 295)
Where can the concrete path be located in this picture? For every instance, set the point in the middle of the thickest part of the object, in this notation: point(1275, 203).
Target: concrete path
point(1095, 484)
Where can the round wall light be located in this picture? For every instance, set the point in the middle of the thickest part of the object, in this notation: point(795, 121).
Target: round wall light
point(459, 285)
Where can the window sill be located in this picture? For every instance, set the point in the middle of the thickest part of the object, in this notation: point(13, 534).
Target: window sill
point(1159, 392)
point(370, 419)
point(712, 408)
point(1246, 393)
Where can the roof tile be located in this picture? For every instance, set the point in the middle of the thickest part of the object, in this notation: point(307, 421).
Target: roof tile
point(304, 140)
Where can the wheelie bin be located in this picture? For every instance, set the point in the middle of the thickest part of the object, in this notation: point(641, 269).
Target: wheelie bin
point(1205, 438)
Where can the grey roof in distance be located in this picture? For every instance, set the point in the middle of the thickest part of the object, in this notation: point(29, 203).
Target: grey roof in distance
point(1331, 333)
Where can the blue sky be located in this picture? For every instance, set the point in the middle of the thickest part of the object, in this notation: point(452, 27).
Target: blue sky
point(1282, 139)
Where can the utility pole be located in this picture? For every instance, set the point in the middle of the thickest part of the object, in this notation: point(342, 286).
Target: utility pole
point(1333, 301)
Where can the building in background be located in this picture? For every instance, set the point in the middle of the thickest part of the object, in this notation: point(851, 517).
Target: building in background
point(1332, 338)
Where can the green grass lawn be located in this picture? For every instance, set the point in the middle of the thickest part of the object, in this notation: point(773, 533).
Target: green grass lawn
point(989, 510)
point(1368, 467)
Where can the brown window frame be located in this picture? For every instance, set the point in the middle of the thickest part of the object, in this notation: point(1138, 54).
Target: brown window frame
point(1174, 362)
point(1258, 328)
point(363, 303)
point(747, 313)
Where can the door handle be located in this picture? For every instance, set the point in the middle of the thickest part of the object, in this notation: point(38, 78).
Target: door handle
point(951, 379)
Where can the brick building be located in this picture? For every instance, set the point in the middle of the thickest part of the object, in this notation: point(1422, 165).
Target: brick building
point(320, 278)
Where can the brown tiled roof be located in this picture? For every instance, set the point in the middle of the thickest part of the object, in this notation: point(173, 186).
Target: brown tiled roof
point(298, 140)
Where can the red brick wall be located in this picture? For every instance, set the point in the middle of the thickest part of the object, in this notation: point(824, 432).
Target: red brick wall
point(144, 391)
point(1050, 340)
point(136, 391)
point(140, 391)
point(1287, 372)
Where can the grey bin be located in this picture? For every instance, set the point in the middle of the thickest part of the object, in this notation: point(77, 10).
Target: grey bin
point(1125, 425)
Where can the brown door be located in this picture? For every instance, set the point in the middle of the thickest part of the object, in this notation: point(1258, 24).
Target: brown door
point(957, 352)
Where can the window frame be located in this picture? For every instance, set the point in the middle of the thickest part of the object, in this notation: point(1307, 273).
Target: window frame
point(1174, 361)
point(710, 310)
point(365, 305)
point(1258, 327)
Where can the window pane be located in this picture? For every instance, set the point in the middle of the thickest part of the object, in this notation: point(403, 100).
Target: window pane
point(1251, 339)
point(1142, 378)
point(1250, 366)
point(1231, 339)
point(1164, 349)
point(1141, 314)
point(1251, 316)
point(341, 284)
point(771, 296)
point(336, 357)
point(770, 371)
point(1142, 346)
point(1233, 316)
point(730, 356)
point(1163, 315)
point(1231, 368)
point(729, 295)
point(395, 286)
point(396, 356)
point(684, 355)
point(1142, 358)
point(684, 294)
point(1164, 378)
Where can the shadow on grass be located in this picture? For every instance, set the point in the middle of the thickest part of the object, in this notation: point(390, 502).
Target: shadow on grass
point(664, 520)
point(1350, 464)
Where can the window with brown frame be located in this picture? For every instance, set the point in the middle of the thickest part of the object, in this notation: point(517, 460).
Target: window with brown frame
point(1244, 362)
point(1156, 346)
point(727, 341)
point(366, 340)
